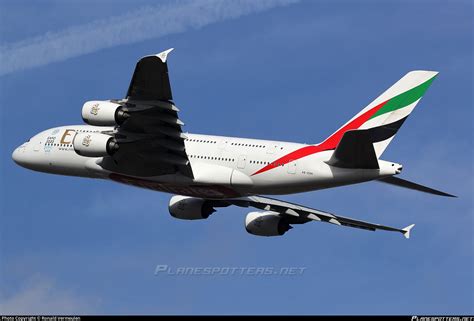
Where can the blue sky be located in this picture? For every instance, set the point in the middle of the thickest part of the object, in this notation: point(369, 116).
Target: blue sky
point(282, 71)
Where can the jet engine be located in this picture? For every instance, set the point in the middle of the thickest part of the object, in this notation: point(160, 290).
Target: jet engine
point(266, 224)
point(190, 208)
point(103, 113)
point(94, 144)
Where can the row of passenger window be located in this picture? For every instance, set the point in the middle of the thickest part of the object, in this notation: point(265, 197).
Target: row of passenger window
point(201, 141)
point(259, 162)
point(266, 163)
point(224, 159)
point(215, 142)
point(248, 145)
point(61, 145)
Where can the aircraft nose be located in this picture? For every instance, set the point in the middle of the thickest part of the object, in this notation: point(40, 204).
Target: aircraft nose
point(19, 156)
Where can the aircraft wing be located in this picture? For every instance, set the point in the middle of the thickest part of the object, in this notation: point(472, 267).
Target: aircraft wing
point(151, 139)
point(297, 214)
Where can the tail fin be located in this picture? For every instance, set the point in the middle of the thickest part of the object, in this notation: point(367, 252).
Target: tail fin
point(385, 115)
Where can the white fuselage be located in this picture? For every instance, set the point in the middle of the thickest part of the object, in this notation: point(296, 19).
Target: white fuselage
point(223, 167)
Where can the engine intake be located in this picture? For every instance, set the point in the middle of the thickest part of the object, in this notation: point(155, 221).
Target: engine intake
point(266, 224)
point(190, 208)
point(94, 144)
point(103, 113)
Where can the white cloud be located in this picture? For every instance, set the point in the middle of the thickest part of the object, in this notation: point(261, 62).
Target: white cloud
point(141, 24)
point(43, 296)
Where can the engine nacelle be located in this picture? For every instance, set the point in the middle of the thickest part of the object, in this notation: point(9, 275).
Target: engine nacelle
point(103, 113)
point(266, 224)
point(189, 208)
point(94, 144)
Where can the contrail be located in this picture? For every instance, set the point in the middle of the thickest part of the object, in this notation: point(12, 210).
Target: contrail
point(141, 24)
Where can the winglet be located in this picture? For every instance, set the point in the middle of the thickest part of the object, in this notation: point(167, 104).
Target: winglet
point(406, 231)
point(163, 55)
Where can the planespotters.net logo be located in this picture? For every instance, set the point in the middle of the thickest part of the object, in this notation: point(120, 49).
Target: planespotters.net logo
point(432, 318)
point(164, 269)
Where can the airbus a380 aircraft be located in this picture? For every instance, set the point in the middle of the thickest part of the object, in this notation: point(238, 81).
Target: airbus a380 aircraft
point(139, 141)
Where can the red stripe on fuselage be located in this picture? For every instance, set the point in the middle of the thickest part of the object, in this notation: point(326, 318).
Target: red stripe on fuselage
point(330, 142)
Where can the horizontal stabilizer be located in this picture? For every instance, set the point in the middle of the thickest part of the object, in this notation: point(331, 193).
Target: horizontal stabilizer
point(355, 150)
point(410, 185)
